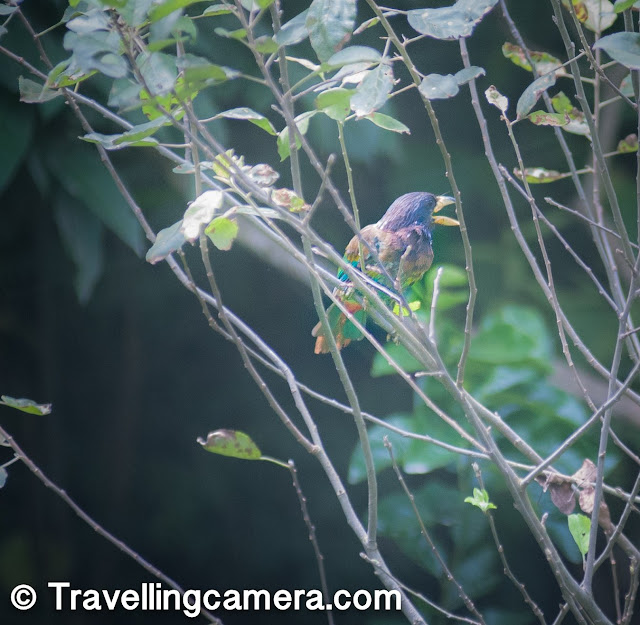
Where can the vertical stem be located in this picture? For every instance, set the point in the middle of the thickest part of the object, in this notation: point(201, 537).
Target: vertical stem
point(352, 194)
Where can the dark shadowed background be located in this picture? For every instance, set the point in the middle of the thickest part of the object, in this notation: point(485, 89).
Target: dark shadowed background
point(135, 375)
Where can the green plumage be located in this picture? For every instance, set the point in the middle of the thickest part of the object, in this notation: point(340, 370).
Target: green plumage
point(402, 241)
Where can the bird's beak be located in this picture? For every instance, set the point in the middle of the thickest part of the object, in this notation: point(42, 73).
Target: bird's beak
point(441, 202)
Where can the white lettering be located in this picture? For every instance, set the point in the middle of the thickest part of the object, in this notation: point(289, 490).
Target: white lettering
point(339, 604)
point(111, 600)
point(58, 586)
point(282, 599)
point(211, 606)
point(191, 608)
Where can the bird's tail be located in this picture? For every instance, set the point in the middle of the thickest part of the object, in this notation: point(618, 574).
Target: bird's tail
point(342, 329)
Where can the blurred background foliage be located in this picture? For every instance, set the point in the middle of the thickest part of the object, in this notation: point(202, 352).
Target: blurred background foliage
point(135, 375)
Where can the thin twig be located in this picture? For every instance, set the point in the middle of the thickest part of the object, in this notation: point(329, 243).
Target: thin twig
point(93, 524)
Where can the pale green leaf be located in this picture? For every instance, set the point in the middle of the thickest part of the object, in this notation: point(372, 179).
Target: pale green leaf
point(439, 87)
point(250, 115)
point(294, 31)
point(468, 74)
point(26, 405)
point(169, 6)
point(223, 232)
point(388, 123)
point(330, 24)
point(33, 92)
point(302, 123)
point(373, 92)
point(532, 93)
point(168, 241)
point(622, 47)
point(335, 103)
point(580, 528)
point(542, 118)
point(452, 22)
point(231, 443)
point(538, 175)
point(354, 54)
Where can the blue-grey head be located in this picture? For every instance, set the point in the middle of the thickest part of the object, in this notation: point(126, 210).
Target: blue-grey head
point(416, 209)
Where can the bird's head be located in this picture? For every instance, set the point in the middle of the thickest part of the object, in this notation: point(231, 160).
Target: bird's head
point(417, 209)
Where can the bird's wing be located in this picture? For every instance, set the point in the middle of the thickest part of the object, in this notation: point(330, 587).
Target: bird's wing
point(352, 251)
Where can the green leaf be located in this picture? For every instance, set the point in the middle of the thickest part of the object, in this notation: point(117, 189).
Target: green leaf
point(354, 54)
point(169, 6)
point(168, 241)
point(628, 145)
point(439, 87)
point(401, 356)
point(225, 164)
point(330, 24)
point(82, 235)
point(266, 45)
point(158, 71)
point(372, 93)
point(468, 74)
point(138, 136)
point(33, 92)
point(513, 335)
point(414, 456)
point(539, 175)
point(542, 118)
point(217, 9)
point(388, 123)
point(543, 61)
point(250, 115)
point(231, 443)
point(294, 31)
point(451, 22)
point(223, 232)
point(453, 287)
point(199, 73)
point(622, 47)
point(335, 103)
point(26, 405)
point(302, 123)
point(96, 50)
point(239, 33)
point(480, 499)
point(621, 5)
point(532, 93)
point(577, 124)
point(64, 74)
point(580, 528)
point(561, 103)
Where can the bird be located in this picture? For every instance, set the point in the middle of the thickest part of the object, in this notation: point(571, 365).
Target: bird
point(402, 241)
